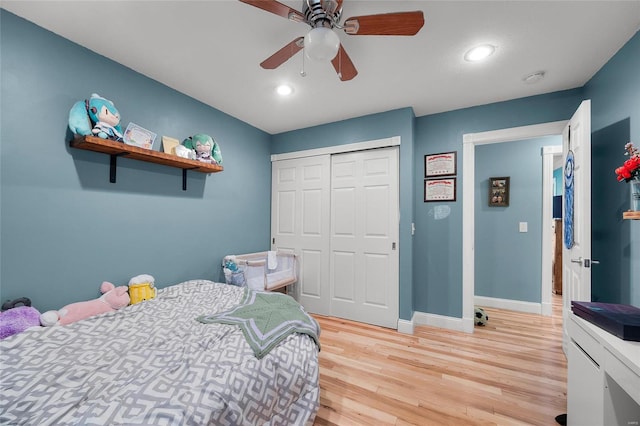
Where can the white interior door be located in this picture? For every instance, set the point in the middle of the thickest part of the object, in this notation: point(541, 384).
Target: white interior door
point(300, 224)
point(576, 248)
point(364, 236)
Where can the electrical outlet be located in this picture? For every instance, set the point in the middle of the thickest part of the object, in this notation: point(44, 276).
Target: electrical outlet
point(523, 226)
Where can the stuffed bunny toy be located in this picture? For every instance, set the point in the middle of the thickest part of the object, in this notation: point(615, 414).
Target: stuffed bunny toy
point(112, 298)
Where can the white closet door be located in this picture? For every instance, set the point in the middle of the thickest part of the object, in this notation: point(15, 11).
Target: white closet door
point(364, 236)
point(300, 224)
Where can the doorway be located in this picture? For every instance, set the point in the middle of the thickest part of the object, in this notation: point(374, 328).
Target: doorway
point(470, 141)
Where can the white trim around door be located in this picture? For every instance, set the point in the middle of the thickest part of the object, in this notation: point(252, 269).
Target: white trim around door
point(469, 142)
point(339, 149)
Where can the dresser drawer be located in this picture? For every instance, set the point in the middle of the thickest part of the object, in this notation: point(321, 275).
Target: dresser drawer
point(585, 341)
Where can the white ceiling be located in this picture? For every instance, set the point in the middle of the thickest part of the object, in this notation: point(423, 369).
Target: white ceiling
point(211, 50)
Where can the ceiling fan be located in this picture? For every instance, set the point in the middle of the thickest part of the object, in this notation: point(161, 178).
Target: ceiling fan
point(321, 42)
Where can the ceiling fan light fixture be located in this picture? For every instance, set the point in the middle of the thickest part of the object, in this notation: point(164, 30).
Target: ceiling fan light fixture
point(479, 53)
point(321, 44)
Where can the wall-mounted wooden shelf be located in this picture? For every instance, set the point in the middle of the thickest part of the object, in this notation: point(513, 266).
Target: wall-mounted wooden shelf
point(120, 149)
point(631, 215)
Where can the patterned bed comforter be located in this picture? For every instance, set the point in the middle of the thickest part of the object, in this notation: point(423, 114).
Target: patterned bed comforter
point(153, 363)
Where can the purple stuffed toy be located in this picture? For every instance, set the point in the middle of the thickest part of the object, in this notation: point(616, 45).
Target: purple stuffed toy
point(18, 319)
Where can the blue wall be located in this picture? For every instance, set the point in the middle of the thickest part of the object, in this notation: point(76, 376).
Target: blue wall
point(438, 242)
point(65, 228)
point(507, 262)
point(376, 126)
point(615, 120)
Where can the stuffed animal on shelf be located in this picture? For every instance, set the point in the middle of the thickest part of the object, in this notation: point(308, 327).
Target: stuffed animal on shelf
point(207, 150)
point(141, 288)
point(96, 116)
point(112, 298)
point(17, 316)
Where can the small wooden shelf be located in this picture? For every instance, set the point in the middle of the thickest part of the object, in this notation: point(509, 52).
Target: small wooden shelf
point(631, 215)
point(120, 149)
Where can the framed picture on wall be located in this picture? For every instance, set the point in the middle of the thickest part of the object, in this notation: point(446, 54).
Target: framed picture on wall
point(499, 191)
point(440, 189)
point(443, 164)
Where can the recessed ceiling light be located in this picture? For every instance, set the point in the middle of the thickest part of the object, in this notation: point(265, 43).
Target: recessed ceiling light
point(478, 53)
point(284, 90)
point(534, 77)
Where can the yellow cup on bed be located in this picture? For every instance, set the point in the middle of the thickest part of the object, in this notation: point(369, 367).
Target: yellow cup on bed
point(141, 288)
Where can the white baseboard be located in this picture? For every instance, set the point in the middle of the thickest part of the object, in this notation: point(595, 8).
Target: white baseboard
point(467, 324)
point(405, 326)
point(512, 305)
point(441, 321)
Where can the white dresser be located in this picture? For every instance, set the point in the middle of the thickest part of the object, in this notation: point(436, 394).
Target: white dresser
point(603, 386)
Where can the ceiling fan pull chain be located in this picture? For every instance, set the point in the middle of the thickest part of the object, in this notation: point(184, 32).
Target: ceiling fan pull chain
point(302, 72)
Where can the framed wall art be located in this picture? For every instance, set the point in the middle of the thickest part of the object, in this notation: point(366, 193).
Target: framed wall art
point(443, 164)
point(499, 191)
point(440, 189)
point(138, 136)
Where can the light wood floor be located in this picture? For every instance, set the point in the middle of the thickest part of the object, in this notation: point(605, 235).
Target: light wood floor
point(510, 372)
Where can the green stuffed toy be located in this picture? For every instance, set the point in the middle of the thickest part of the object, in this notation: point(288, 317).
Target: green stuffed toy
point(96, 116)
point(207, 150)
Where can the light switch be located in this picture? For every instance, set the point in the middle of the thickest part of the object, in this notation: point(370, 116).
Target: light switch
point(523, 226)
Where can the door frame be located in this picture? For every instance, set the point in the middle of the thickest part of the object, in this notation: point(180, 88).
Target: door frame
point(469, 143)
point(339, 149)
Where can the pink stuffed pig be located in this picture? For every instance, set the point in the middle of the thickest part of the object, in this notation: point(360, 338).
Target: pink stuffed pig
point(112, 298)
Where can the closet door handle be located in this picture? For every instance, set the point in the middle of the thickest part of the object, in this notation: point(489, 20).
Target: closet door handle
point(578, 260)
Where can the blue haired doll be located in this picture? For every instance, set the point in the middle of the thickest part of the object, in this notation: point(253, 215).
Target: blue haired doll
point(96, 116)
point(206, 148)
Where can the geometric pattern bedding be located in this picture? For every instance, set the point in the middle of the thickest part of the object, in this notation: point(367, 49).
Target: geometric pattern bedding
point(153, 363)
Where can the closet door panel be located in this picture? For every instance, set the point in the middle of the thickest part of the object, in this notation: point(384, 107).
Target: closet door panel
point(300, 218)
point(364, 236)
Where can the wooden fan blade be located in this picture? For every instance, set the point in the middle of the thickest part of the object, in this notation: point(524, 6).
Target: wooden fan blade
point(399, 23)
point(277, 8)
point(343, 65)
point(282, 55)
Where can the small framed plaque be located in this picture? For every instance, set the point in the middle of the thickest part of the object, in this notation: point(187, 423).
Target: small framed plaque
point(443, 164)
point(440, 189)
point(169, 145)
point(137, 136)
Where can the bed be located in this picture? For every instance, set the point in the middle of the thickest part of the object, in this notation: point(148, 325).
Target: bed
point(155, 363)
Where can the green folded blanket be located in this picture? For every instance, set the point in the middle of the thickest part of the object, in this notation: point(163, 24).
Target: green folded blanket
point(266, 319)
